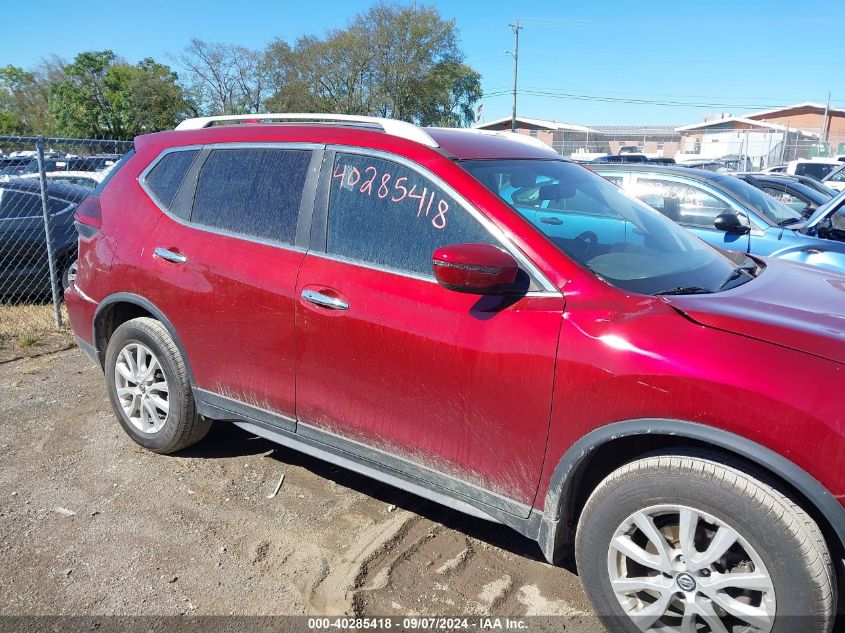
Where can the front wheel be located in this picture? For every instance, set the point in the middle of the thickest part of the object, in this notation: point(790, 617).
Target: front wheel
point(688, 544)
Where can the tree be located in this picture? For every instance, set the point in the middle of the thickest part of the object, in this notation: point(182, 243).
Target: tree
point(23, 102)
point(224, 78)
point(390, 61)
point(104, 97)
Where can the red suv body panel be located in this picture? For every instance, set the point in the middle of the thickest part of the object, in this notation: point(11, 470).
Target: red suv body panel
point(496, 402)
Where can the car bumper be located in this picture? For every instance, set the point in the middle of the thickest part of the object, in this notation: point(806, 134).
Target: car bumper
point(81, 310)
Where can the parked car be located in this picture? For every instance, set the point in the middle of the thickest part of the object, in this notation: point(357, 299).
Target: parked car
point(812, 183)
point(486, 324)
point(816, 168)
point(89, 179)
point(621, 158)
point(24, 268)
point(800, 197)
point(630, 149)
point(835, 179)
point(727, 212)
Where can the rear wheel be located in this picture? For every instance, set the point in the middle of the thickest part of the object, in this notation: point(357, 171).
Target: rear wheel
point(149, 389)
point(689, 544)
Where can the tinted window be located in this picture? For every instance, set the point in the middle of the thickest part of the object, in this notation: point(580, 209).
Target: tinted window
point(167, 175)
point(252, 192)
point(383, 213)
point(14, 204)
point(816, 170)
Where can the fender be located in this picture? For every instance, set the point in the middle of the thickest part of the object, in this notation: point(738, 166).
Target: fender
point(555, 530)
point(141, 302)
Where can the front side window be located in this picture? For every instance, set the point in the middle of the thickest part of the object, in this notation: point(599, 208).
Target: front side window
point(772, 210)
point(782, 195)
point(253, 192)
point(383, 213)
point(681, 202)
point(595, 223)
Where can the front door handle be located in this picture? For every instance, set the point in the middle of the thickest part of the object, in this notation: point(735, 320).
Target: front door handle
point(551, 220)
point(169, 256)
point(320, 299)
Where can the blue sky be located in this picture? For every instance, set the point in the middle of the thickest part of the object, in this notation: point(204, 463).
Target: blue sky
point(590, 59)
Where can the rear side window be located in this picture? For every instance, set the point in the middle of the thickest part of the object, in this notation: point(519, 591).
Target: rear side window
point(252, 192)
point(167, 175)
point(383, 213)
point(814, 170)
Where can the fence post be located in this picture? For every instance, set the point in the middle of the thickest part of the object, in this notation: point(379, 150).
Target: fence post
point(45, 210)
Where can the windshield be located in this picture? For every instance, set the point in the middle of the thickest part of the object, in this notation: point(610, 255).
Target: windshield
point(619, 238)
point(773, 210)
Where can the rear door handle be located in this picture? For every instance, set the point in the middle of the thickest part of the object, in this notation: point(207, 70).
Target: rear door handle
point(169, 256)
point(320, 299)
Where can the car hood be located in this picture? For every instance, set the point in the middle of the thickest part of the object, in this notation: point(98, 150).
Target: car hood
point(788, 304)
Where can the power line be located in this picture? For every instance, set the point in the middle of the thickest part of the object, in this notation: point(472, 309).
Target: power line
point(636, 101)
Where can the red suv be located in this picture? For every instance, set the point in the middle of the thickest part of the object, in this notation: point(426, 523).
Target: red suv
point(408, 303)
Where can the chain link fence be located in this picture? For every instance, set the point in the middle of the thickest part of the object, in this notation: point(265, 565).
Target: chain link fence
point(740, 149)
point(42, 180)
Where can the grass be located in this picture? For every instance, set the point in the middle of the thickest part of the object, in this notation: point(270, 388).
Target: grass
point(28, 340)
point(28, 324)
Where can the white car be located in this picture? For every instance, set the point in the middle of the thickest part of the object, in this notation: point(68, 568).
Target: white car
point(836, 179)
point(88, 179)
point(816, 168)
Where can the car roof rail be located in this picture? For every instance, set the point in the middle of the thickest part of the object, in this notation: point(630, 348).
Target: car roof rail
point(402, 129)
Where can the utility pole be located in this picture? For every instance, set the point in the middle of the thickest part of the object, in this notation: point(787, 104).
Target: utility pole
point(515, 54)
point(826, 119)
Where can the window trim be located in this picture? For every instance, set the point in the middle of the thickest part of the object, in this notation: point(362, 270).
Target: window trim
point(306, 206)
point(546, 286)
point(68, 205)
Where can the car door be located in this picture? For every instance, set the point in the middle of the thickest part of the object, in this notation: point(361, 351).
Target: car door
point(222, 265)
point(693, 205)
point(435, 383)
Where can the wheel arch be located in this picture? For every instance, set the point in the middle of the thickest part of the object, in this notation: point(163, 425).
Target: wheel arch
point(601, 451)
point(120, 307)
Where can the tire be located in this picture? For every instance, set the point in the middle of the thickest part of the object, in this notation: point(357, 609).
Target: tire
point(68, 274)
point(795, 586)
point(147, 421)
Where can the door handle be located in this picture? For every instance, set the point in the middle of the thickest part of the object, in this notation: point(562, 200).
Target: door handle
point(320, 299)
point(169, 256)
point(551, 220)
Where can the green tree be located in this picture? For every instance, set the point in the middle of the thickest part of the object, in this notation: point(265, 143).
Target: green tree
point(23, 102)
point(391, 61)
point(101, 96)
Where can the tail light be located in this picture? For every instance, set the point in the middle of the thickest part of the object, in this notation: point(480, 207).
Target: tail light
point(88, 217)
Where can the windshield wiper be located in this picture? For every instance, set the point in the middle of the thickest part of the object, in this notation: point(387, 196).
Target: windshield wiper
point(736, 273)
point(789, 221)
point(685, 290)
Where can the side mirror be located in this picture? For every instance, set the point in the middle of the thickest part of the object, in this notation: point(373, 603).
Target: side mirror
point(729, 223)
point(474, 268)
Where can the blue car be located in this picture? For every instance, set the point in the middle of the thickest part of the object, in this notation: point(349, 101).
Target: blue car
point(729, 213)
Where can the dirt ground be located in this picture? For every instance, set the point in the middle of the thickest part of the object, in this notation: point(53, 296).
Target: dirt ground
point(91, 524)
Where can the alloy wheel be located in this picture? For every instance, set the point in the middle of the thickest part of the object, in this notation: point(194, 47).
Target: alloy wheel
point(675, 568)
point(141, 387)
